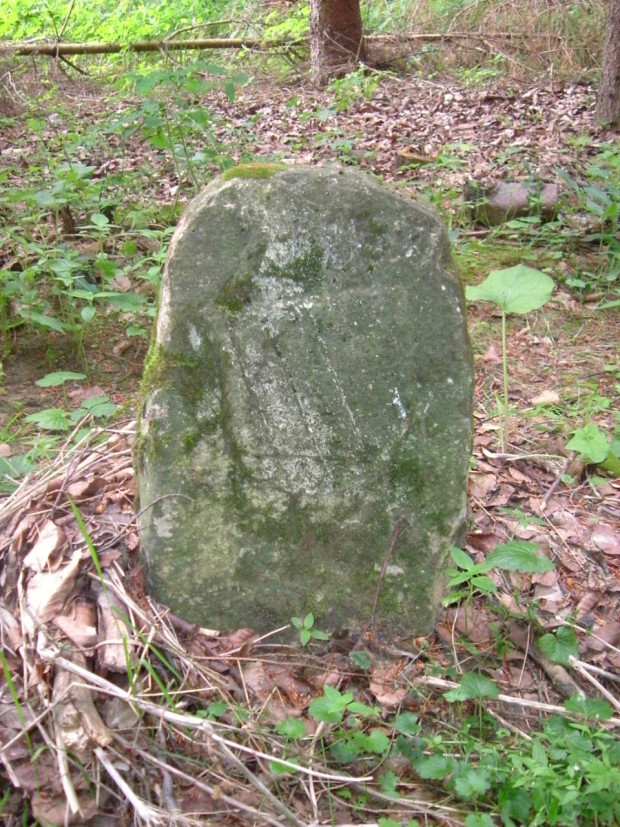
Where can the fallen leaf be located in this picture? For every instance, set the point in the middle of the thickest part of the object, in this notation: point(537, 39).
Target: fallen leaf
point(546, 398)
point(112, 654)
point(80, 626)
point(47, 591)
point(50, 811)
point(589, 601)
point(260, 686)
point(85, 488)
point(385, 684)
point(19, 532)
point(80, 394)
point(518, 476)
point(491, 355)
point(238, 643)
point(481, 484)
point(608, 633)
point(548, 579)
point(483, 540)
point(49, 541)
point(5, 449)
point(471, 622)
point(606, 539)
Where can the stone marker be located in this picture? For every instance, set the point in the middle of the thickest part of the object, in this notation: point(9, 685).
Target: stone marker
point(306, 425)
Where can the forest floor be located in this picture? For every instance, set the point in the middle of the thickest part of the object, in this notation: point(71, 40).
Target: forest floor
point(65, 584)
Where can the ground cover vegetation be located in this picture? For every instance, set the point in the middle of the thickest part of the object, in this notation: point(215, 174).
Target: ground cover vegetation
point(113, 709)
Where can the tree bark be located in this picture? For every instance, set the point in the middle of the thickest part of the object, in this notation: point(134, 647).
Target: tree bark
point(336, 38)
point(608, 104)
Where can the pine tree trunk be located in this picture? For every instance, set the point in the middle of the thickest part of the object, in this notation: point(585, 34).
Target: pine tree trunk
point(608, 104)
point(336, 38)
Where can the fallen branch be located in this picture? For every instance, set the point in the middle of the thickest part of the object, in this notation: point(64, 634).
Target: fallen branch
point(58, 49)
point(101, 48)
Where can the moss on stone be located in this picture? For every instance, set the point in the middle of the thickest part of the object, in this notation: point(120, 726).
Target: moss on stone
point(235, 295)
point(306, 269)
point(252, 171)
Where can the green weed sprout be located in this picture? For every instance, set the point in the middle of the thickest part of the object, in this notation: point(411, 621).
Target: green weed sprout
point(306, 631)
point(518, 289)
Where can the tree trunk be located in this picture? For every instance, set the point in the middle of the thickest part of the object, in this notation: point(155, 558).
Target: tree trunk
point(608, 104)
point(336, 38)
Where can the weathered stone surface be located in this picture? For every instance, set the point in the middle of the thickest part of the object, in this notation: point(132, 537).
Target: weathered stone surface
point(308, 390)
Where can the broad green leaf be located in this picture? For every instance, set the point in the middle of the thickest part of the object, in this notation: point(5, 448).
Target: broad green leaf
point(88, 313)
point(98, 406)
point(518, 289)
point(357, 708)
point(47, 198)
point(408, 747)
point(484, 584)
point(11, 468)
point(309, 621)
point(389, 781)
point(471, 782)
point(539, 754)
point(50, 380)
point(277, 768)
point(590, 443)
point(479, 820)
point(436, 767)
point(136, 330)
point(466, 576)
point(317, 634)
point(346, 751)
point(45, 321)
point(360, 659)
point(337, 697)
point(590, 707)
point(519, 555)
point(454, 597)
point(125, 302)
point(328, 709)
point(77, 169)
point(560, 646)
point(297, 622)
point(51, 419)
point(100, 221)
point(292, 728)
point(407, 722)
point(525, 520)
point(473, 686)
point(377, 742)
point(611, 463)
point(461, 558)
point(515, 803)
point(217, 709)
point(304, 637)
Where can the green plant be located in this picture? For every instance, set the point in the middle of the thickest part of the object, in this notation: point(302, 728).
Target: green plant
point(470, 577)
point(306, 629)
point(518, 289)
point(595, 448)
point(358, 85)
point(566, 774)
point(560, 645)
point(57, 419)
point(295, 24)
point(348, 740)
